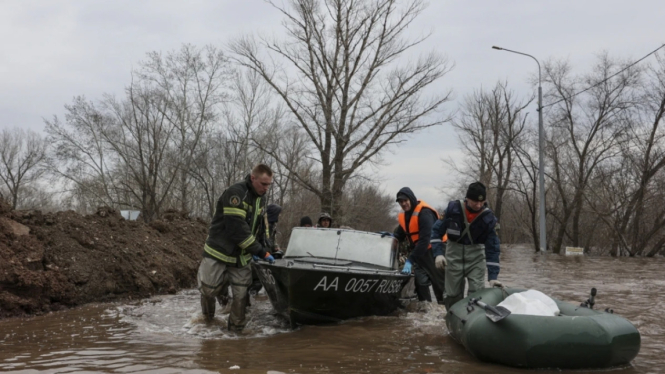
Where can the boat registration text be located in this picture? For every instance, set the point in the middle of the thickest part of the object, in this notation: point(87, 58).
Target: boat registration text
point(360, 285)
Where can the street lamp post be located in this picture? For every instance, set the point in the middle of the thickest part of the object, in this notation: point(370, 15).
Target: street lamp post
point(541, 146)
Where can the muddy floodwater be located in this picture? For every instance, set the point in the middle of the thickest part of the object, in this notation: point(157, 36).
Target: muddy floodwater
point(166, 334)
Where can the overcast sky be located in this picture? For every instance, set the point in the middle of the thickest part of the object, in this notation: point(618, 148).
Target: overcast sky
point(55, 50)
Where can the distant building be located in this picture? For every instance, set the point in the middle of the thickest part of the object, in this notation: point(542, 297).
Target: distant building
point(130, 215)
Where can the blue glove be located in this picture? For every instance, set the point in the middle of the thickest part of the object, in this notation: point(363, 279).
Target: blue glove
point(255, 258)
point(270, 259)
point(407, 267)
point(385, 233)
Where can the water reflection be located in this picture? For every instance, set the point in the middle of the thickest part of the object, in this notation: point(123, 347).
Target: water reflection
point(166, 334)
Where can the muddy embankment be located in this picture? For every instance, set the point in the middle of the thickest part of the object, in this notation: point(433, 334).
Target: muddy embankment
point(53, 261)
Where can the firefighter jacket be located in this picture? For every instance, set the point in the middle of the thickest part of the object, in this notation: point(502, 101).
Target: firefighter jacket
point(238, 220)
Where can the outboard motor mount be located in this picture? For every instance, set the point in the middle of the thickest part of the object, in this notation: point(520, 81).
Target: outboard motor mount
point(590, 302)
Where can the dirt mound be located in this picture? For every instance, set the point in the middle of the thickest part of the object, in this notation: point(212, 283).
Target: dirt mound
point(55, 260)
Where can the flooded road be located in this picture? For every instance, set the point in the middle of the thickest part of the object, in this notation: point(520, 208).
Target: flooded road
point(166, 335)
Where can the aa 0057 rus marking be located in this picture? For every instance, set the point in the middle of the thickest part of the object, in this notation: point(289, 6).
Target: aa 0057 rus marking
point(361, 285)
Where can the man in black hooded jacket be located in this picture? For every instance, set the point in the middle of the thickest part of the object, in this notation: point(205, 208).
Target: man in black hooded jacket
point(415, 226)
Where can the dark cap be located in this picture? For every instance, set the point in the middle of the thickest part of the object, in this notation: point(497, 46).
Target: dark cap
point(305, 221)
point(476, 192)
point(273, 211)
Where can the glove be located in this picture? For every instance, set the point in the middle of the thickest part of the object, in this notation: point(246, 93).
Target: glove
point(407, 267)
point(386, 233)
point(402, 259)
point(255, 258)
point(269, 258)
point(277, 254)
point(496, 283)
point(440, 262)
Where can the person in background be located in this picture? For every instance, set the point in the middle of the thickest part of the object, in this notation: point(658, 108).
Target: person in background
point(272, 217)
point(418, 217)
point(472, 244)
point(266, 237)
point(325, 221)
point(231, 243)
point(306, 222)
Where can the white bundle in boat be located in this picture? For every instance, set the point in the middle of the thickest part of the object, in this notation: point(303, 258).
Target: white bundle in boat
point(532, 303)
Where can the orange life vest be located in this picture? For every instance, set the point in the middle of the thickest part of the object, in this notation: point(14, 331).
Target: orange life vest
point(412, 230)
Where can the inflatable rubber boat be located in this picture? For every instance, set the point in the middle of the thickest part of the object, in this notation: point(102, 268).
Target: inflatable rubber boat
point(578, 337)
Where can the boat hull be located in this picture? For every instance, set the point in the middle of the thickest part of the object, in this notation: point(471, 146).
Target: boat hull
point(307, 294)
point(580, 338)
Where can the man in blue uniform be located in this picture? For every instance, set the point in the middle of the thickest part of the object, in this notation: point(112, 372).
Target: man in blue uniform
point(472, 244)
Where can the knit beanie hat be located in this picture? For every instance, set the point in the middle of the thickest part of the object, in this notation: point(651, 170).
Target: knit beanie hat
point(305, 221)
point(273, 211)
point(476, 192)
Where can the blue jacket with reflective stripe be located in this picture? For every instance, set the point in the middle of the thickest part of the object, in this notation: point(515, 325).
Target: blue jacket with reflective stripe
point(483, 231)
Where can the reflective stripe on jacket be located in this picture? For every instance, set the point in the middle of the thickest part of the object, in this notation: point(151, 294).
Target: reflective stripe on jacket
point(232, 236)
point(481, 232)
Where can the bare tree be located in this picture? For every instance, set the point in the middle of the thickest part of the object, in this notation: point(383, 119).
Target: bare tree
point(229, 151)
point(80, 156)
point(22, 154)
point(586, 131)
point(38, 196)
point(290, 146)
point(137, 151)
point(342, 85)
point(490, 125)
point(208, 170)
point(648, 213)
point(251, 115)
point(142, 139)
point(524, 180)
point(629, 198)
point(379, 218)
point(191, 82)
point(118, 155)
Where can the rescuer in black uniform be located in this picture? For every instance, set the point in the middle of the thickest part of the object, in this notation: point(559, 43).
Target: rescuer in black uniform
point(232, 242)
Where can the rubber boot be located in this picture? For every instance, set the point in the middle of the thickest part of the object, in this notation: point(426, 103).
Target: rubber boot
point(208, 308)
point(438, 294)
point(234, 328)
point(239, 325)
point(423, 293)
